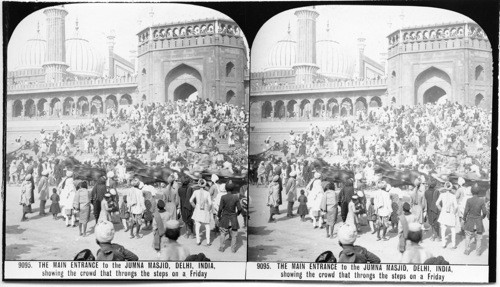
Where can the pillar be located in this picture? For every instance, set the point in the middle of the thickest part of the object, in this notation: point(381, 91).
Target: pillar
point(55, 57)
point(273, 103)
point(23, 101)
point(286, 108)
point(305, 62)
point(361, 57)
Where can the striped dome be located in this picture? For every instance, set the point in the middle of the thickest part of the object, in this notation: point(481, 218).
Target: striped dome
point(282, 55)
point(83, 59)
point(32, 53)
point(333, 60)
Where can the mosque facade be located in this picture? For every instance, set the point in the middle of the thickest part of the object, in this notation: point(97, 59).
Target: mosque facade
point(67, 77)
point(310, 79)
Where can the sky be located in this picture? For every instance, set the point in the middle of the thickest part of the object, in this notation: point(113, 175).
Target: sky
point(347, 24)
point(97, 20)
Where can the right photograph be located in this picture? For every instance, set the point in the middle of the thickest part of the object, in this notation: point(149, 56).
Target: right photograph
point(370, 137)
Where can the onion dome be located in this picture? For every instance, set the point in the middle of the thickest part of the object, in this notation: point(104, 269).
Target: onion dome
point(282, 55)
point(333, 60)
point(82, 59)
point(32, 53)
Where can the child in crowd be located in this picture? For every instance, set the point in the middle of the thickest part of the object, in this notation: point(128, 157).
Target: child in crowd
point(394, 214)
point(302, 211)
point(55, 209)
point(148, 215)
point(124, 213)
point(372, 215)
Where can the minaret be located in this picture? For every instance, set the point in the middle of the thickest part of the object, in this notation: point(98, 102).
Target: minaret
point(111, 58)
point(305, 64)
point(361, 57)
point(55, 58)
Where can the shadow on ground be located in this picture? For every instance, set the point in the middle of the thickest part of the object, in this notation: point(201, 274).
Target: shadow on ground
point(259, 230)
point(259, 253)
point(13, 251)
point(14, 229)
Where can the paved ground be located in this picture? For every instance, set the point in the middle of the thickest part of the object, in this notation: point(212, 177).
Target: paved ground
point(290, 239)
point(42, 238)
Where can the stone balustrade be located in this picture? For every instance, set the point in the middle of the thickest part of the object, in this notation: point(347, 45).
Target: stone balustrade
point(257, 87)
point(189, 29)
point(72, 84)
point(438, 36)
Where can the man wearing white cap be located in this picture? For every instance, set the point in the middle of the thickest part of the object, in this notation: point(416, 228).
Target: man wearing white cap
point(291, 193)
point(67, 195)
point(104, 234)
point(382, 201)
point(315, 196)
point(351, 253)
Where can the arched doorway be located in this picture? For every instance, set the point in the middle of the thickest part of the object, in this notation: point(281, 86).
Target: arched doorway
point(17, 108)
point(305, 108)
point(479, 100)
point(267, 109)
point(126, 100)
point(332, 107)
point(279, 110)
point(29, 108)
point(185, 92)
point(110, 103)
point(432, 84)
point(433, 94)
point(346, 108)
point(360, 105)
point(318, 108)
point(254, 110)
point(41, 107)
point(291, 108)
point(181, 82)
point(229, 96)
point(96, 105)
point(83, 106)
point(68, 106)
point(375, 102)
point(55, 106)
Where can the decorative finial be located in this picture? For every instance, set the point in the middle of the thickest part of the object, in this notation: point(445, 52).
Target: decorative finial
point(38, 27)
point(289, 30)
point(76, 24)
point(327, 26)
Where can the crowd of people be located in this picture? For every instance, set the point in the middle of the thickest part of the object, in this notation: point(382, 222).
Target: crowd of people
point(187, 137)
point(436, 141)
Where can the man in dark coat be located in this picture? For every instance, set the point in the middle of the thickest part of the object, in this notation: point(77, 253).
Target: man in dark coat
point(229, 209)
point(345, 197)
point(185, 191)
point(29, 170)
point(474, 213)
point(97, 196)
point(431, 195)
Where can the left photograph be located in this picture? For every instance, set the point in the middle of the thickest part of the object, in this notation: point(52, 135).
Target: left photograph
point(126, 134)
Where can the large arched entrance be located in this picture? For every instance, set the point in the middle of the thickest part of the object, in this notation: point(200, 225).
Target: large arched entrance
point(230, 97)
point(181, 82)
point(184, 92)
point(479, 100)
point(433, 94)
point(375, 102)
point(432, 84)
point(17, 108)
